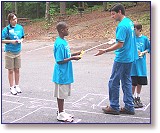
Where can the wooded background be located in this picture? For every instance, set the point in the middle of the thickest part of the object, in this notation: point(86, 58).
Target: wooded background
point(47, 10)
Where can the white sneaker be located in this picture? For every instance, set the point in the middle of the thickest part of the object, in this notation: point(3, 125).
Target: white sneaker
point(13, 91)
point(70, 115)
point(64, 117)
point(18, 89)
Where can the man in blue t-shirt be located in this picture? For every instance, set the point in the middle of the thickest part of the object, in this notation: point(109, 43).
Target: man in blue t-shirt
point(63, 73)
point(125, 53)
point(12, 36)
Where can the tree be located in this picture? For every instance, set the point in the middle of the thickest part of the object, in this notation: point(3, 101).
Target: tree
point(47, 14)
point(38, 9)
point(62, 8)
point(14, 8)
point(3, 16)
point(104, 6)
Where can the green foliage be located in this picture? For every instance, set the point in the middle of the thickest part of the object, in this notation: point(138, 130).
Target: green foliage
point(27, 9)
point(37, 20)
point(96, 7)
point(34, 10)
point(54, 9)
point(8, 6)
point(72, 10)
point(31, 9)
point(145, 19)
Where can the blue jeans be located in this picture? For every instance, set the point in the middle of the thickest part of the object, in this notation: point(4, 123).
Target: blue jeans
point(121, 72)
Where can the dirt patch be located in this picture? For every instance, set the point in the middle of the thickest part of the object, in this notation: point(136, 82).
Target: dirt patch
point(90, 29)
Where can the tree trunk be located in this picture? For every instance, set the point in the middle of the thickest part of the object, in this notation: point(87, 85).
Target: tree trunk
point(38, 7)
point(47, 15)
point(105, 6)
point(13, 7)
point(16, 8)
point(3, 16)
point(62, 8)
point(81, 4)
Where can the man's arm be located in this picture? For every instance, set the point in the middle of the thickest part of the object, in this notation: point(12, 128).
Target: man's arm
point(112, 48)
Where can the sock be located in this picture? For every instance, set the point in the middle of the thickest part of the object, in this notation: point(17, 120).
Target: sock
point(16, 85)
point(138, 95)
point(11, 87)
point(135, 95)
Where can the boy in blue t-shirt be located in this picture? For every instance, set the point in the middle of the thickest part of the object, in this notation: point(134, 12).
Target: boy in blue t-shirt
point(63, 73)
point(139, 68)
point(12, 36)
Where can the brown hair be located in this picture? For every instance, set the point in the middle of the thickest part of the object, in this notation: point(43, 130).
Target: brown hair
point(10, 16)
point(60, 26)
point(118, 6)
point(138, 26)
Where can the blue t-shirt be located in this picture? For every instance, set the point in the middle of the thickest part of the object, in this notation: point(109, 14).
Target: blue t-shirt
point(139, 67)
point(63, 73)
point(14, 33)
point(125, 33)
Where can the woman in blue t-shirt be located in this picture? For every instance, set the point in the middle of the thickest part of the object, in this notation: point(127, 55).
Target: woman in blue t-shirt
point(12, 36)
point(139, 68)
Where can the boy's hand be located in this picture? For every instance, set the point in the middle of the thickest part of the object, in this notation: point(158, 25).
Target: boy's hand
point(140, 54)
point(19, 40)
point(81, 53)
point(77, 53)
point(14, 41)
point(76, 57)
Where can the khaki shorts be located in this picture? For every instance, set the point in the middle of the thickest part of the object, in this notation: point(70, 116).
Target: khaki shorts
point(62, 91)
point(12, 60)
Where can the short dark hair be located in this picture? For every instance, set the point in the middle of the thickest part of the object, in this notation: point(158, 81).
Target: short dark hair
point(61, 25)
point(10, 16)
point(117, 7)
point(138, 26)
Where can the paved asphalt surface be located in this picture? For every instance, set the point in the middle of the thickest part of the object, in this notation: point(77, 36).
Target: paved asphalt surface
point(36, 103)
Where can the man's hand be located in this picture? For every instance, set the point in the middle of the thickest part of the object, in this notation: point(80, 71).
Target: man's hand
point(100, 52)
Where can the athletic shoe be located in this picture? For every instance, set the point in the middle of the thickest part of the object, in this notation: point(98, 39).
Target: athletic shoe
point(139, 103)
point(13, 91)
point(18, 89)
point(135, 103)
point(64, 117)
point(70, 115)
